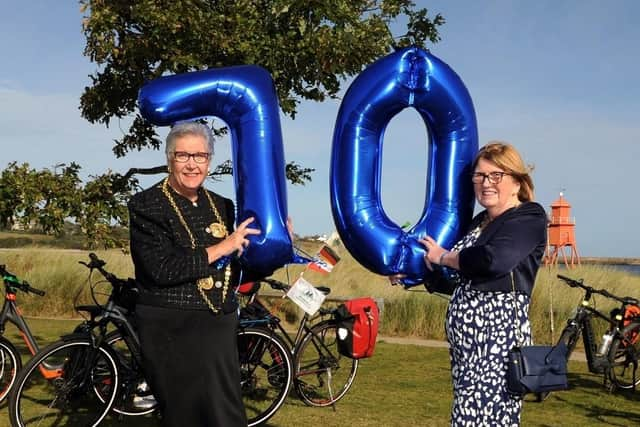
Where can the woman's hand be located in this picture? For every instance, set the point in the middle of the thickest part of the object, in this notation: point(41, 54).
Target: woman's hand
point(434, 252)
point(238, 240)
point(235, 242)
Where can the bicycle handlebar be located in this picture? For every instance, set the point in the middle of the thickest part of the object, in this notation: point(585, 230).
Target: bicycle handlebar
point(589, 290)
point(281, 286)
point(13, 281)
point(98, 264)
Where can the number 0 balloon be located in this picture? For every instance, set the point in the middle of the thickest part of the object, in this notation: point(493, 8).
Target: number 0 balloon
point(245, 98)
point(408, 78)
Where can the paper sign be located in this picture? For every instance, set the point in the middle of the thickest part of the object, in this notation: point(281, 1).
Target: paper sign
point(306, 296)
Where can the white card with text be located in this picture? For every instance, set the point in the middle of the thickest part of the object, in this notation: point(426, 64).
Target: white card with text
point(306, 296)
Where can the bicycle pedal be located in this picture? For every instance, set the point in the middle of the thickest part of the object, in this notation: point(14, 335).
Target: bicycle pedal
point(144, 402)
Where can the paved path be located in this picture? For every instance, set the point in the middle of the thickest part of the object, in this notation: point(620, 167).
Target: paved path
point(576, 355)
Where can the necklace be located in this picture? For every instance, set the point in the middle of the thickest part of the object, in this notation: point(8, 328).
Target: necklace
point(217, 230)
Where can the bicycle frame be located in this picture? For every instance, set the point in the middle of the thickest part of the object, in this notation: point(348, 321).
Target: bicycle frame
point(271, 322)
point(582, 322)
point(11, 313)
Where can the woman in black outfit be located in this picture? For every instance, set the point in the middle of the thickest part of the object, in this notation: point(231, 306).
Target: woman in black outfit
point(181, 239)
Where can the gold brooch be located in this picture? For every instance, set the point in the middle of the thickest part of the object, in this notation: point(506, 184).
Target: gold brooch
point(217, 230)
point(206, 283)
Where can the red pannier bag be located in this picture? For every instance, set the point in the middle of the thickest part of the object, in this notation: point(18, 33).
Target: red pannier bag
point(357, 327)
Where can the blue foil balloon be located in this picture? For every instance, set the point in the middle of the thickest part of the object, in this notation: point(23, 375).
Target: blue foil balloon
point(408, 78)
point(245, 98)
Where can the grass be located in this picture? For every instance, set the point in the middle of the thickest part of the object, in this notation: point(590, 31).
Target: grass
point(401, 383)
point(410, 385)
point(411, 312)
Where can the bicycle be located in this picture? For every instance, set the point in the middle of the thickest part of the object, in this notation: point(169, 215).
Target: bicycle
point(96, 369)
point(619, 349)
point(10, 358)
point(320, 374)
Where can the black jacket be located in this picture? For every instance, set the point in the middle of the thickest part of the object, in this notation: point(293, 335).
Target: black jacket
point(166, 267)
point(514, 241)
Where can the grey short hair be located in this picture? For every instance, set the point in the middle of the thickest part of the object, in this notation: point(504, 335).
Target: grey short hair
point(187, 128)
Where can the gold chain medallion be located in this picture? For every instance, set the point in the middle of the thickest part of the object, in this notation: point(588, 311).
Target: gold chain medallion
point(217, 230)
point(205, 283)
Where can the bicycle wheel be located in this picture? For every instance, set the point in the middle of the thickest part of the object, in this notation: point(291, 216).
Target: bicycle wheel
point(134, 396)
point(624, 355)
point(66, 383)
point(10, 365)
point(265, 373)
point(569, 336)
point(322, 375)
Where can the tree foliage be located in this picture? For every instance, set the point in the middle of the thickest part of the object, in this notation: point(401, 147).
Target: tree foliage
point(44, 200)
point(309, 47)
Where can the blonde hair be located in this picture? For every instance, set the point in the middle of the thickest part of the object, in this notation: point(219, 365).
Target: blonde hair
point(507, 158)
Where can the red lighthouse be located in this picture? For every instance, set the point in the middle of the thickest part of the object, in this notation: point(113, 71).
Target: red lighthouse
point(561, 235)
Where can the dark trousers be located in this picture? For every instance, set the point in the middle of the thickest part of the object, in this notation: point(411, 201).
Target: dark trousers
point(191, 362)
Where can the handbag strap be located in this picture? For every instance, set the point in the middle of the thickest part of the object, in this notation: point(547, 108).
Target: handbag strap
point(516, 319)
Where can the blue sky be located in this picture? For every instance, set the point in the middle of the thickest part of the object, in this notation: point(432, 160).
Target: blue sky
point(558, 79)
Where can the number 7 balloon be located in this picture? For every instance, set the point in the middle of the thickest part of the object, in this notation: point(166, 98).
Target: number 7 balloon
point(245, 98)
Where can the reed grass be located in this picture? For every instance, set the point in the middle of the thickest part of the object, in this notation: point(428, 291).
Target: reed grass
point(412, 312)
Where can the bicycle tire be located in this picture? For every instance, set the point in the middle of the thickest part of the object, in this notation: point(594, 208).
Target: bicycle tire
point(70, 395)
point(569, 336)
point(133, 384)
point(624, 354)
point(10, 365)
point(322, 375)
point(266, 372)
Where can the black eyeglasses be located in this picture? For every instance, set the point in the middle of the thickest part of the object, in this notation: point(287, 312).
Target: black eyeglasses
point(492, 177)
point(183, 157)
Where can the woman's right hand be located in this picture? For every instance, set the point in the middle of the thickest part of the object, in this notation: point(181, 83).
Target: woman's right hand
point(235, 242)
point(238, 241)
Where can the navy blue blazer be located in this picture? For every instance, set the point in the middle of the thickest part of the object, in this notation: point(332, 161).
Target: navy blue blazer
point(514, 241)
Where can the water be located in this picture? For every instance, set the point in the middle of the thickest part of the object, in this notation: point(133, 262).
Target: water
point(633, 269)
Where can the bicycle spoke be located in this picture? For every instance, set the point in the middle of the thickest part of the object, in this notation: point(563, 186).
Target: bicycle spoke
point(323, 376)
point(265, 370)
point(80, 395)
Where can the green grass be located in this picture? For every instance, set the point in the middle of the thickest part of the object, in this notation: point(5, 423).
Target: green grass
point(410, 385)
point(411, 312)
point(401, 384)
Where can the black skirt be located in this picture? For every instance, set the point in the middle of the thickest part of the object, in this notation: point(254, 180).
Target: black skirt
point(190, 360)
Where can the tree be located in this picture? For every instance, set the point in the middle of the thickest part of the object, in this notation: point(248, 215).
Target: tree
point(309, 47)
point(44, 200)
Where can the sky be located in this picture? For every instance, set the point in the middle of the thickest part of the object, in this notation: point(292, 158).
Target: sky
point(556, 78)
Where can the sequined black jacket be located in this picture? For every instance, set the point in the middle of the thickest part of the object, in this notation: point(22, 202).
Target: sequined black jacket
point(166, 266)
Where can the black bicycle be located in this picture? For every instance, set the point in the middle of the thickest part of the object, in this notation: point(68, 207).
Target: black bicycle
point(96, 368)
point(321, 375)
point(10, 359)
point(617, 355)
